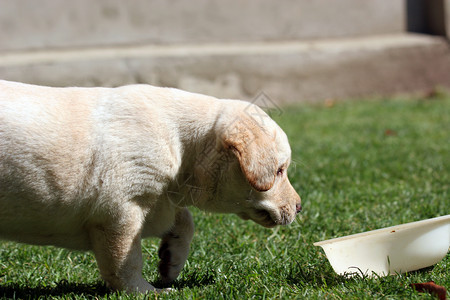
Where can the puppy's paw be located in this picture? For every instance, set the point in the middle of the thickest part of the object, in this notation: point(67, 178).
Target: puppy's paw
point(174, 247)
point(165, 262)
point(172, 260)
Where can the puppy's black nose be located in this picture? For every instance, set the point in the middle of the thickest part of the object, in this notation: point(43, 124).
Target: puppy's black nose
point(298, 208)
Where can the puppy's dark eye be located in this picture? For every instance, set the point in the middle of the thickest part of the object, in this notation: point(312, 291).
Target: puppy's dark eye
point(280, 172)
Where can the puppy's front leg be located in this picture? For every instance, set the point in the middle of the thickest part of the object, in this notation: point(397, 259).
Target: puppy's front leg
point(118, 253)
point(174, 247)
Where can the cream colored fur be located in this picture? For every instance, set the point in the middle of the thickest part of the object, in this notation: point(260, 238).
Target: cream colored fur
point(101, 168)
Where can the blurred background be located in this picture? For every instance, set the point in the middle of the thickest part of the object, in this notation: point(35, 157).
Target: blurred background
point(292, 50)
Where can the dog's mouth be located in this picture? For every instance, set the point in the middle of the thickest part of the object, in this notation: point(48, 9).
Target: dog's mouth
point(261, 217)
point(264, 218)
point(269, 218)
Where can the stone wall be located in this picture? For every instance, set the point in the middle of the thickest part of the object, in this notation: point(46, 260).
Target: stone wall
point(293, 50)
point(31, 24)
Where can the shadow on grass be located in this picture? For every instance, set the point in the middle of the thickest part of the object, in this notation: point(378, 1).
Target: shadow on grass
point(98, 289)
point(191, 280)
point(17, 291)
point(319, 275)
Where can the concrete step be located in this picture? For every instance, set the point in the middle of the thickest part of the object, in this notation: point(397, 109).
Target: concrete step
point(287, 71)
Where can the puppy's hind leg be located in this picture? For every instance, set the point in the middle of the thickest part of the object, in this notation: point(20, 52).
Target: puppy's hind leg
point(174, 247)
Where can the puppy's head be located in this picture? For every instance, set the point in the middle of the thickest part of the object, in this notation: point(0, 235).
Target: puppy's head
point(254, 155)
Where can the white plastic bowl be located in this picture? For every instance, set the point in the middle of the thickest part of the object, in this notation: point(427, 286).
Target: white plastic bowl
point(390, 250)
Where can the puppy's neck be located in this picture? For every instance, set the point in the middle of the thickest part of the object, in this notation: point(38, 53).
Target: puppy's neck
point(202, 155)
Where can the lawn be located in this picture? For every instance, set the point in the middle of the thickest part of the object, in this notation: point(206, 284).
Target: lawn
point(358, 165)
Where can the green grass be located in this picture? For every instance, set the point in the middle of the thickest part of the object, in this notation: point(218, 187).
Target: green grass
point(358, 166)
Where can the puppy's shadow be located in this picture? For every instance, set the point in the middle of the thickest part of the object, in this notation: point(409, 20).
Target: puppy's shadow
point(97, 289)
point(191, 280)
point(16, 291)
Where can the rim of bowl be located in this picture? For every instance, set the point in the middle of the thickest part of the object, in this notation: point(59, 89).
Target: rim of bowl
point(386, 229)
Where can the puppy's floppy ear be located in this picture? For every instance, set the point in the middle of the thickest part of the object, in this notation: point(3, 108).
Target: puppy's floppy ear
point(255, 150)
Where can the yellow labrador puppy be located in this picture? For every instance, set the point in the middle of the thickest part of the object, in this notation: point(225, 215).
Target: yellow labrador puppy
point(101, 168)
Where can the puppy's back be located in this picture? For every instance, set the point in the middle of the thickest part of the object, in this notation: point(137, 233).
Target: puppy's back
point(44, 147)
